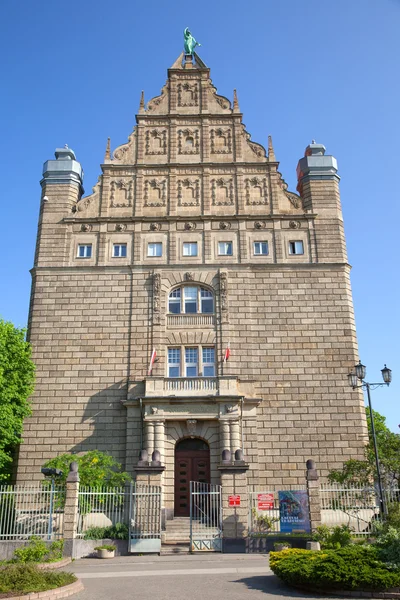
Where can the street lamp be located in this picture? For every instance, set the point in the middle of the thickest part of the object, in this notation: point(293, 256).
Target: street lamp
point(357, 380)
point(53, 473)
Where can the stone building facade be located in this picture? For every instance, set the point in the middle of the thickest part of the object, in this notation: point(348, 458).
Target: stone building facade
point(189, 244)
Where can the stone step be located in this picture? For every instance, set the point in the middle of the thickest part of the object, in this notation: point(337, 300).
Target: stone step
point(175, 548)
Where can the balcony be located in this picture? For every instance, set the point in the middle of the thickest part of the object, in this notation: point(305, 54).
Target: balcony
point(191, 320)
point(157, 387)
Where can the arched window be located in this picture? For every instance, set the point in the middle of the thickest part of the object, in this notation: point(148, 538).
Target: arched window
point(191, 300)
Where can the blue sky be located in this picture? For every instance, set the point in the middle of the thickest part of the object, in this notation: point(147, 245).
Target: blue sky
point(72, 72)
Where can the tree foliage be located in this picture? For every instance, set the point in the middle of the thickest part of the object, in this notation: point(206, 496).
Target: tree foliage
point(362, 471)
point(96, 468)
point(17, 375)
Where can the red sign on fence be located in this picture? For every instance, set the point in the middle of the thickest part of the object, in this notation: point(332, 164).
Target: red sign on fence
point(234, 500)
point(265, 501)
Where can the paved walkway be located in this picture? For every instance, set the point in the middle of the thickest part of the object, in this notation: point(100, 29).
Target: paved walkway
point(199, 577)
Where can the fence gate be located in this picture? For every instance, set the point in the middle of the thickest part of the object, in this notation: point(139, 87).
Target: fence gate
point(145, 518)
point(205, 517)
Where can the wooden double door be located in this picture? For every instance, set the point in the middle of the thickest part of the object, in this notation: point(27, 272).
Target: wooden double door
point(192, 463)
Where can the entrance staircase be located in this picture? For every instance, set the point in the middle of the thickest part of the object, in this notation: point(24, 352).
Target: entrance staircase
point(176, 537)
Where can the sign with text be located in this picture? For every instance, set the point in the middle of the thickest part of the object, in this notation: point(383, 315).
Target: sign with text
point(294, 512)
point(265, 501)
point(234, 500)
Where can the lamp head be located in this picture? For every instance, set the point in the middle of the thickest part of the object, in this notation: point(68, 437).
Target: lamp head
point(361, 370)
point(386, 374)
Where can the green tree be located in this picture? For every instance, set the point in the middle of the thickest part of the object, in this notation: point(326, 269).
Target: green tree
point(17, 376)
point(362, 471)
point(96, 468)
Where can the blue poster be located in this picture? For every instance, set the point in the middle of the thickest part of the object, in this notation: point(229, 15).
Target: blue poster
point(294, 513)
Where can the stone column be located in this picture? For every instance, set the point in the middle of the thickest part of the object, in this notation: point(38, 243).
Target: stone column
point(314, 498)
point(234, 518)
point(149, 436)
point(159, 437)
point(235, 436)
point(71, 509)
point(224, 435)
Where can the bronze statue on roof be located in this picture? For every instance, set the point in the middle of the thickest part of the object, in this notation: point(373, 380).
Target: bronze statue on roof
point(189, 42)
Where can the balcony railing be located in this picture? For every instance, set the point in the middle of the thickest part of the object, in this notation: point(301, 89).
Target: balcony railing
point(191, 386)
point(199, 320)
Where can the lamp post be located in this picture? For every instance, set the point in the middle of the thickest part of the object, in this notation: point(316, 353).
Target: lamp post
point(53, 473)
point(357, 380)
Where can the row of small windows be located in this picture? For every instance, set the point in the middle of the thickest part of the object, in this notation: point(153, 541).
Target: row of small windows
point(191, 361)
point(154, 249)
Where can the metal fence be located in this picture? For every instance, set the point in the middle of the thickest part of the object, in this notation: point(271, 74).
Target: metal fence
point(356, 506)
point(264, 509)
point(145, 518)
point(31, 510)
point(102, 507)
point(205, 517)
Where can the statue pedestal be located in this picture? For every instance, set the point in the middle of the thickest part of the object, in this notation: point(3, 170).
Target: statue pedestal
point(188, 64)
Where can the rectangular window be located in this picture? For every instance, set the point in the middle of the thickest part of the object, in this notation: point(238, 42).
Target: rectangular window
point(84, 250)
point(260, 248)
point(174, 305)
point(191, 362)
point(208, 362)
point(225, 248)
point(190, 249)
point(174, 362)
point(154, 249)
point(296, 247)
point(119, 250)
point(207, 301)
point(190, 299)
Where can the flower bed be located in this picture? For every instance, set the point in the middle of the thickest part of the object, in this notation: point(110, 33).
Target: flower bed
point(354, 567)
point(25, 578)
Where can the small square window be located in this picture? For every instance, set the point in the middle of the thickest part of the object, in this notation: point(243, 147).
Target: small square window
point(84, 250)
point(190, 249)
point(296, 247)
point(119, 250)
point(154, 249)
point(225, 248)
point(260, 248)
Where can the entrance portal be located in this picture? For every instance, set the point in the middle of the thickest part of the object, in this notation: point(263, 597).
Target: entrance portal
point(192, 463)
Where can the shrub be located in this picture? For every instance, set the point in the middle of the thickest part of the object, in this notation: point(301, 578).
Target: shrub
point(38, 551)
point(333, 537)
point(388, 545)
point(28, 578)
point(353, 567)
point(109, 547)
point(119, 531)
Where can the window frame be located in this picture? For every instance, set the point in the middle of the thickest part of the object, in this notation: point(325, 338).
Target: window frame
point(84, 255)
point(186, 244)
point(260, 253)
point(184, 363)
point(199, 300)
point(292, 244)
point(154, 244)
point(119, 245)
point(225, 253)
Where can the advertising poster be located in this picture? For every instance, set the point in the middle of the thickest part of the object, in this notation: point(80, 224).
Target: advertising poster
point(293, 511)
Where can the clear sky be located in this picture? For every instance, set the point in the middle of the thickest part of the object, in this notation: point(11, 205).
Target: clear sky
point(72, 72)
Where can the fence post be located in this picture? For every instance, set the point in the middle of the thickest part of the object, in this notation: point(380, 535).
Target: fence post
point(314, 498)
point(71, 509)
point(234, 516)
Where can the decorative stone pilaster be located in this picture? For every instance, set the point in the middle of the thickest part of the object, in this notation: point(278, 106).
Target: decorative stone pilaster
point(234, 518)
point(71, 509)
point(149, 473)
point(149, 437)
point(159, 437)
point(314, 498)
point(224, 435)
point(235, 436)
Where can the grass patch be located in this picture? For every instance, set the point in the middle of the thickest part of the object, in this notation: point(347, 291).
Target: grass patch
point(26, 578)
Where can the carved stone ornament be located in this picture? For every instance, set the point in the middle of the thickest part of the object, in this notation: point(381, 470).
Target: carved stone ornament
point(189, 276)
point(225, 225)
point(221, 141)
point(294, 224)
point(223, 291)
point(120, 227)
point(188, 192)
point(294, 199)
point(257, 149)
point(155, 226)
point(154, 410)
point(256, 191)
point(156, 298)
point(222, 192)
point(189, 226)
point(188, 141)
point(188, 94)
point(260, 225)
point(191, 425)
point(86, 227)
point(231, 408)
point(155, 192)
point(156, 141)
point(121, 192)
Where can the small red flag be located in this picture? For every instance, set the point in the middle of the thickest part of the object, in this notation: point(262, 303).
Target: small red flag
point(227, 353)
point(152, 360)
